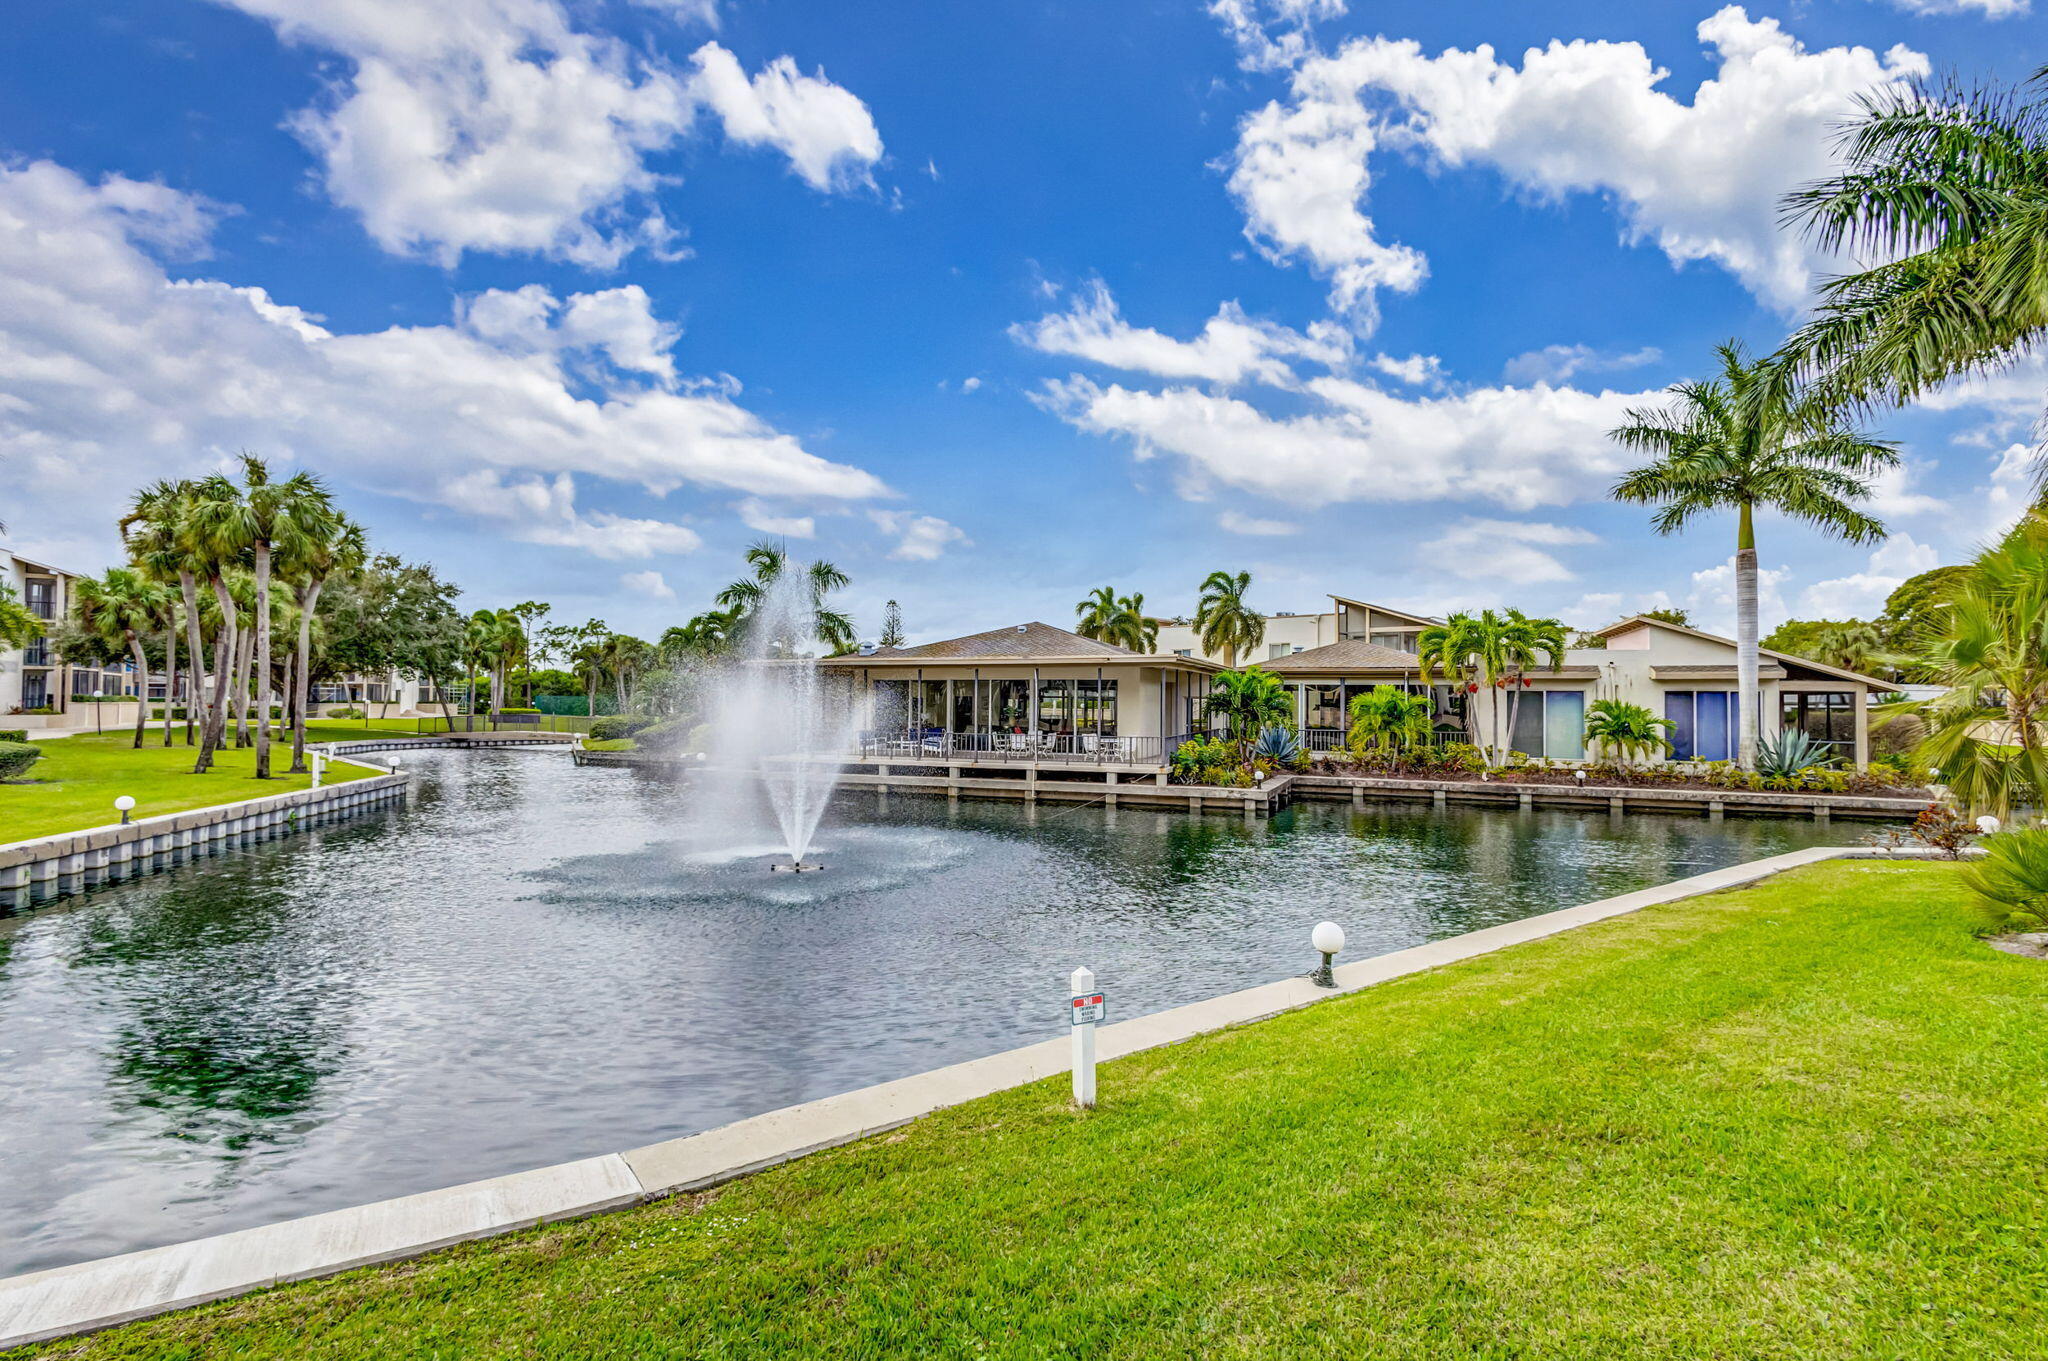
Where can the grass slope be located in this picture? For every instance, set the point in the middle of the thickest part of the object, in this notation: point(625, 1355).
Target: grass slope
point(75, 784)
point(1800, 1119)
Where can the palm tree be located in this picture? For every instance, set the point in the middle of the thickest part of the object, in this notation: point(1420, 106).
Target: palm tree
point(1853, 645)
point(1985, 731)
point(1248, 701)
point(1628, 730)
point(268, 517)
point(1131, 627)
point(1524, 642)
point(18, 624)
point(623, 656)
point(1386, 718)
point(1096, 614)
point(1949, 186)
point(588, 662)
point(1470, 649)
point(1742, 441)
point(163, 535)
point(1223, 621)
point(119, 608)
point(338, 549)
point(770, 560)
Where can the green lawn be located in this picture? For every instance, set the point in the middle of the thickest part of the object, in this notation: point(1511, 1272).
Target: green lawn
point(75, 784)
point(1801, 1119)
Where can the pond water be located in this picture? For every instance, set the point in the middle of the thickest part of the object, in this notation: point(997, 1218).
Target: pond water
point(523, 967)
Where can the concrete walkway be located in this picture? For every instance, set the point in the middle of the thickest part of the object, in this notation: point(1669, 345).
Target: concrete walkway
point(136, 1285)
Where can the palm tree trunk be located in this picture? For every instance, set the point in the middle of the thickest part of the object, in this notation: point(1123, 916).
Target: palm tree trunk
point(245, 650)
point(189, 589)
point(1745, 642)
point(1514, 708)
point(309, 600)
point(170, 674)
point(262, 660)
point(214, 726)
point(141, 700)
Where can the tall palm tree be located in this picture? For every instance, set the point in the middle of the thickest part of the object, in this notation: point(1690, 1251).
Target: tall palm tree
point(1223, 621)
point(770, 561)
point(1949, 186)
point(588, 662)
point(337, 547)
point(1985, 731)
point(1743, 441)
point(1129, 626)
point(1525, 642)
point(162, 534)
point(119, 608)
point(1096, 614)
point(216, 553)
point(623, 656)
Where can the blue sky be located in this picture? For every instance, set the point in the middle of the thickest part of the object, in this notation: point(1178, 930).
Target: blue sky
point(990, 304)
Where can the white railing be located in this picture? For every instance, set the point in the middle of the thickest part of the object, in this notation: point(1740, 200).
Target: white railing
point(1012, 747)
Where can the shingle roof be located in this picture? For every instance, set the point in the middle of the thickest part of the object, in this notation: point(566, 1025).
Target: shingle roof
point(1350, 654)
point(1025, 640)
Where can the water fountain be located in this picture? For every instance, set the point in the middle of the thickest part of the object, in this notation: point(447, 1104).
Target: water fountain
point(780, 731)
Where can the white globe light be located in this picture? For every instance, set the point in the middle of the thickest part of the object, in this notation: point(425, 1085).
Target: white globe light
point(1328, 938)
point(1989, 825)
point(125, 802)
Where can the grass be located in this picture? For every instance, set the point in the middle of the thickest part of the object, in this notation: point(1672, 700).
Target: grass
point(1800, 1119)
point(75, 784)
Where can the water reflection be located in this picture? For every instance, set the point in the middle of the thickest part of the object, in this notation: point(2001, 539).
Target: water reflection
point(526, 965)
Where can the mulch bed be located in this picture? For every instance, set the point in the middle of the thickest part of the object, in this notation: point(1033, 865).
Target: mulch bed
point(1644, 780)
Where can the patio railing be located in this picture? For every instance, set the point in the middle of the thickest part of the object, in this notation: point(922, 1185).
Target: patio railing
point(1010, 748)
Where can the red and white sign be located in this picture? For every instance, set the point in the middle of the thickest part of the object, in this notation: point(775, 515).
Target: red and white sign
point(1086, 1010)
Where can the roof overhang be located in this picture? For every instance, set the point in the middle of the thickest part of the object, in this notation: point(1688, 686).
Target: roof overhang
point(1806, 663)
point(856, 662)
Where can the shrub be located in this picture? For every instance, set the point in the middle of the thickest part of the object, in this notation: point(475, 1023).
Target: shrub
point(2011, 881)
point(1210, 761)
point(17, 757)
point(346, 713)
point(13, 734)
point(510, 709)
point(1939, 827)
point(1789, 753)
point(618, 725)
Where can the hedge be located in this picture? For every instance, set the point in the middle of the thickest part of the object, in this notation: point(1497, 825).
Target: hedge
point(17, 757)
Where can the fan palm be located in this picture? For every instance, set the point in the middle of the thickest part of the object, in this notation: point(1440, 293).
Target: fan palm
point(770, 561)
point(335, 548)
point(1853, 645)
point(118, 609)
point(1743, 441)
point(163, 534)
point(1223, 621)
point(1949, 186)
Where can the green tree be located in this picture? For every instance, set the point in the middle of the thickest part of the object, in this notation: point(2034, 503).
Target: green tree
point(892, 626)
point(1670, 614)
point(1985, 729)
point(18, 625)
point(1918, 604)
point(770, 561)
point(1223, 621)
point(164, 532)
point(1741, 442)
point(120, 608)
point(1096, 615)
point(1472, 650)
point(1948, 186)
point(1526, 643)
point(1630, 731)
point(624, 658)
point(334, 547)
point(1387, 720)
point(1248, 702)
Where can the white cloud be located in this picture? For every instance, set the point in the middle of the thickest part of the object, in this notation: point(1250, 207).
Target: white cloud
point(1711, 601)
point(686, 11)
point(651, 584)
point(757, 516)
point(823, 128)
point(1892, 496)
point(1232, 348)
point(1562, 363)
point(1700, 179)
point(1235, 522)
point(919, 538)
point(1510, 550)
point(2008, 493)
point(498, 126)
point(112, 373)
point(1417, 369)
point(1272, 34)
point(1985, 9)
point(1518, 447)
point(1862, 594)
point(969, 383)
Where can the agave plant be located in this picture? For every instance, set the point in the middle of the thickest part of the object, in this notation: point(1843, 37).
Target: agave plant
point(1277, 745)
point(1790, 752)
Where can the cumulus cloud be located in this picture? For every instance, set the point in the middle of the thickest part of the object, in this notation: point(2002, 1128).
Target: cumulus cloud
point(1562, 363)
point(1272, 34)
point(1417, 370)
point(1711, 601)
point(1984, 9)
point(1518, 447)
point(757, 516)
point(1232, 348)
point(1235, 522)
point(1512, 550)
point(919, 538)
point(653, 585)
point(112, 372)
point(498, 126)
point(1701, 179)
point(1861, 595)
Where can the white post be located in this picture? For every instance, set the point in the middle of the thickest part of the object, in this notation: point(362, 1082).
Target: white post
point(1081, 983)
point(319, 761)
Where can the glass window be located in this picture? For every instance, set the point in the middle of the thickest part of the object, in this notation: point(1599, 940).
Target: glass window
point(1564, 724)
point(1325, 707)
point(1055, 706)
point(1705, 724)
point(1826, 716)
